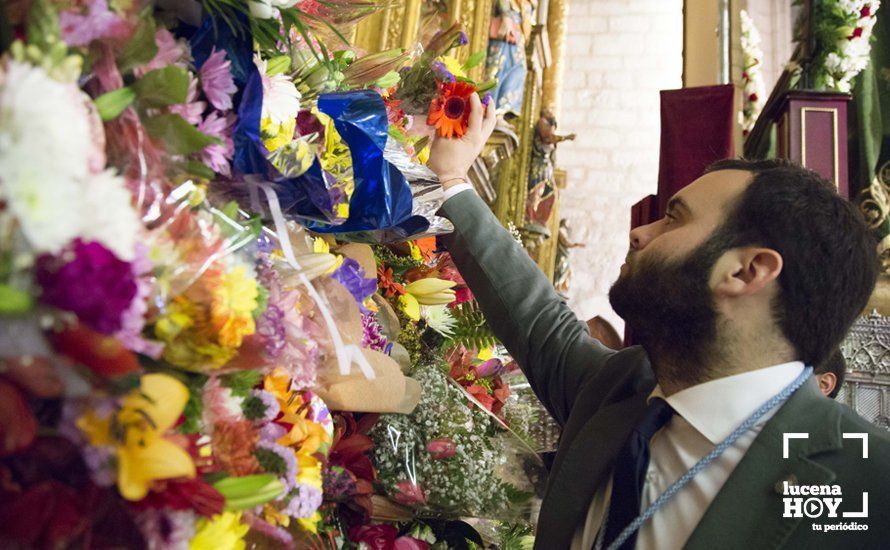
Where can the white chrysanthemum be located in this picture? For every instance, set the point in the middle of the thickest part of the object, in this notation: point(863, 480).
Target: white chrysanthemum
point(108, 214)
point(440, 319)
point(281, 99)
point(50, 152)
point(44, 148)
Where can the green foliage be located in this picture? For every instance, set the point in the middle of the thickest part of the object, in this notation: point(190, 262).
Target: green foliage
point(43, 25)
point(516, 536)
point(388, 258)
point(111, 104)
point(162, 87)
point(142, 47)
point(472, 330)
point(177, 135)
point(194, 407)
point(241, 382)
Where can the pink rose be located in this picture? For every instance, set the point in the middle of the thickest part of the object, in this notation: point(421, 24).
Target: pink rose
point(441, 448)
point(410, 494)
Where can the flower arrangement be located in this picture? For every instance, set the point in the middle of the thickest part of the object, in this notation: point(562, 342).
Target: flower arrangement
point(438, 86)
point(445, 457)
point(195, 353)
point(754, 89)
point(843, 31)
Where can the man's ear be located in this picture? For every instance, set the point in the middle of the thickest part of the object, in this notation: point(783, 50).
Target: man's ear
point(827, 382)
point(745, 271)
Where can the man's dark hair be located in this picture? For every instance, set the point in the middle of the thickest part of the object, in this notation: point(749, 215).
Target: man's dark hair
point(829, 256)
point(835, 364)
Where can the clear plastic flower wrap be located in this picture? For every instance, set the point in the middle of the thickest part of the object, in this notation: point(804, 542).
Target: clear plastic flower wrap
point(453, 457)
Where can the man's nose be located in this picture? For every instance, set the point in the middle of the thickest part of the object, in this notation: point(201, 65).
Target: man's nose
point(640, 237)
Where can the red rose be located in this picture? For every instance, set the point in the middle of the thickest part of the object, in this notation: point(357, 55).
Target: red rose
point(865, 12)
point(856, 33)
point(752, 97)
point(377, 537)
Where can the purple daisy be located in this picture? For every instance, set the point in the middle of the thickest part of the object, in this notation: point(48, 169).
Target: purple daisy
point(217, 155)
point(217, 81)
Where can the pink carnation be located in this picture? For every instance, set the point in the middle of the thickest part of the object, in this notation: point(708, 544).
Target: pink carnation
point(217, 81)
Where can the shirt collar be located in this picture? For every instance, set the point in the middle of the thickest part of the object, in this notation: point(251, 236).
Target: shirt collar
point(715, 408)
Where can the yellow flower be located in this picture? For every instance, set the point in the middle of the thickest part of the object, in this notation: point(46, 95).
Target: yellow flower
point(432, 291)
point(410, 306)
point(424, 155)
point(485, 354)
point(310, 524)
point(276, 136)
point(223, 532)
point(454, 66)
point(309, 470)
point(143, 453)
point(274, 516)
point(191, 343)
point(278, 384)
point(415, 251)
point(305, 434)
point(233, 300)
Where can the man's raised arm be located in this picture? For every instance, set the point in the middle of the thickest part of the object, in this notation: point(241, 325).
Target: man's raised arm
point(549, 343)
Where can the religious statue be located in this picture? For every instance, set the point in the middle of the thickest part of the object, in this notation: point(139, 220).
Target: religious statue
point(510, 28)
point(562, 271)
point(541, 183)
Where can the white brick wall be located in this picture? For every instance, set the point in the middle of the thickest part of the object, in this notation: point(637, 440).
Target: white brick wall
point(619, 54)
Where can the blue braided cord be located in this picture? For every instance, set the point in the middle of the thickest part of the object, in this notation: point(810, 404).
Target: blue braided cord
point(781, 397)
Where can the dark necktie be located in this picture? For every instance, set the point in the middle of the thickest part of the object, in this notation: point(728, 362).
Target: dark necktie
point(630, 472)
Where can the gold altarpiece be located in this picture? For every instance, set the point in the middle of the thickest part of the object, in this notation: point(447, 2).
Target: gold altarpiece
point(502, 172)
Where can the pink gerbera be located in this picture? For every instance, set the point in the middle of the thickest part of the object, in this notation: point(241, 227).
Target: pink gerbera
point(217, 81)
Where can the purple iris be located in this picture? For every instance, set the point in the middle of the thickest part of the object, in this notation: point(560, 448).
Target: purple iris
point(352, 276)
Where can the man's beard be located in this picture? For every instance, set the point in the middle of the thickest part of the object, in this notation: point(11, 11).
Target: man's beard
point(669, 308)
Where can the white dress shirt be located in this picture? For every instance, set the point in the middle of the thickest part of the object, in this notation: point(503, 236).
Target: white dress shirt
point(706, 415)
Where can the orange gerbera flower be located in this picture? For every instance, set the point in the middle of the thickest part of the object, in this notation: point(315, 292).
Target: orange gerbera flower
point(450, 112)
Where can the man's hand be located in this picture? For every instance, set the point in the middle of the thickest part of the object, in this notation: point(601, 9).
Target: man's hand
point(451, 158)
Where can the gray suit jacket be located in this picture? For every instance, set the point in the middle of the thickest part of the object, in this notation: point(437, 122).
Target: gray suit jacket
point(598, 395)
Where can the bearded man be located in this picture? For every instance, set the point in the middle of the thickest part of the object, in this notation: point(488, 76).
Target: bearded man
point(713, 433)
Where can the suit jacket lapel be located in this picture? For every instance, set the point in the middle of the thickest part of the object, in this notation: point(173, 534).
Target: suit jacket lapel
point(747, 512)
point(583, 468)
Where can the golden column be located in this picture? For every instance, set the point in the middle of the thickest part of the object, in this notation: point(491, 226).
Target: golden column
point(557, 21)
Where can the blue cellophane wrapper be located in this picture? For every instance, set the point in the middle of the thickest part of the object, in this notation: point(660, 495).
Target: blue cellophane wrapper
point(384, 206)
point(304, 197)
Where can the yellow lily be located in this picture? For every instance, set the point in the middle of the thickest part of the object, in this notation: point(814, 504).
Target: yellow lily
point(432, 291)
point(410, 306)
point(144, 454)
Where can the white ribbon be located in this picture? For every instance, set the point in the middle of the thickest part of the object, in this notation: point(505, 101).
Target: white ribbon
point(347, 354)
